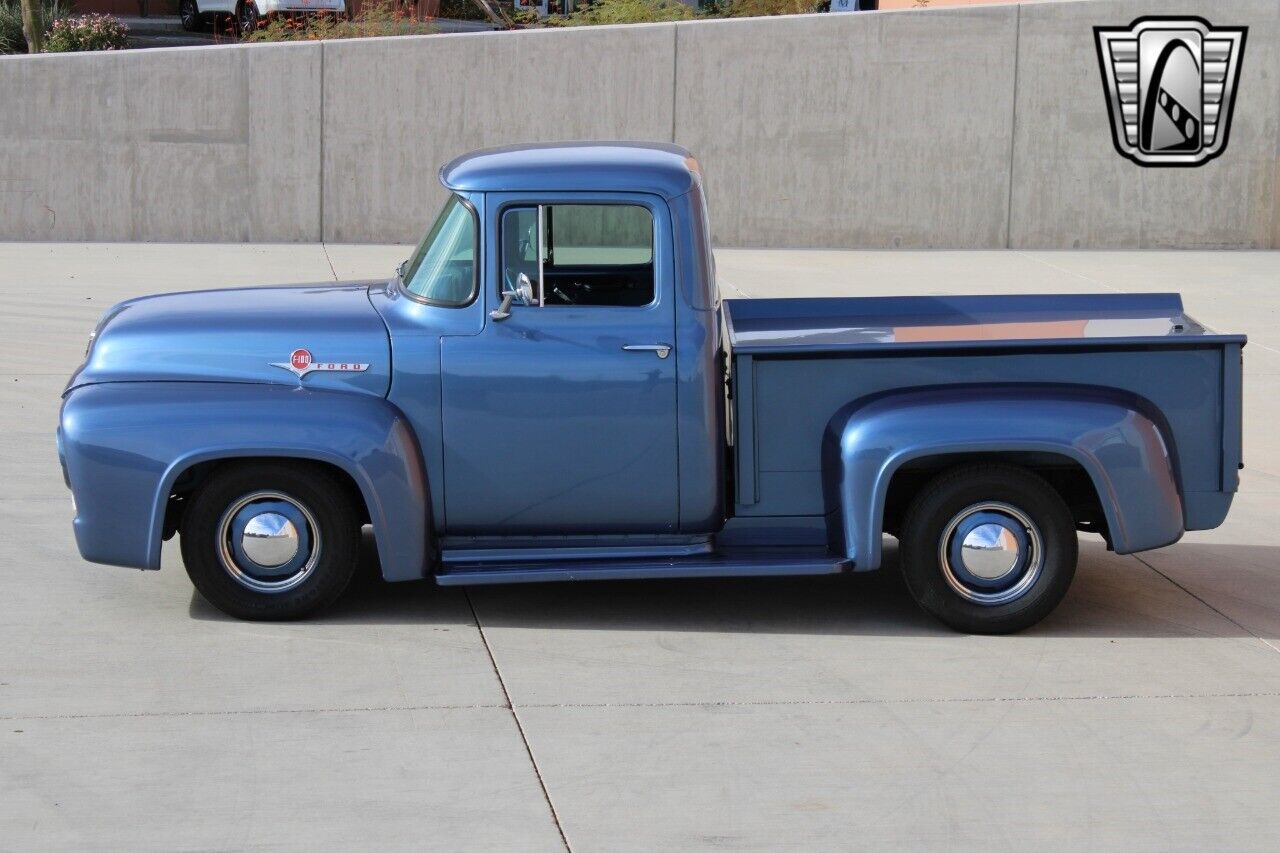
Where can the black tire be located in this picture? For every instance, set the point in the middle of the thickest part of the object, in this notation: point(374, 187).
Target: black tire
point(247, 18)
point(931, 536)
point(214, 565)
point(189, 14)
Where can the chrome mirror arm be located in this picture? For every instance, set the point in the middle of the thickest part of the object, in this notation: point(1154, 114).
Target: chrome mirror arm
point(503, 311)
point(522, 291)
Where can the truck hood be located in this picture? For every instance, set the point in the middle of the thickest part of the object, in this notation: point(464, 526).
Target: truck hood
point(322, 336)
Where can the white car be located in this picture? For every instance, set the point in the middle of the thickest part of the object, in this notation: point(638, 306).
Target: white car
point(248, 14)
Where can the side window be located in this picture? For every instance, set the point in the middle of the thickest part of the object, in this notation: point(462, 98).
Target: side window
point(588, 254)
point(519, 247)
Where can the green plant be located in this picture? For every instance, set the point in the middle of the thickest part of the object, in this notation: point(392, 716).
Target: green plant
point(625, 12)
point(375, 18)
point(523, 17)
point(12, 39)
point(86, 32)
point(464, 10)
point(762, 8)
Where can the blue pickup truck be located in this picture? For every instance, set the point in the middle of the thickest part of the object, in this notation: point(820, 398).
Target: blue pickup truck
point(551, 388)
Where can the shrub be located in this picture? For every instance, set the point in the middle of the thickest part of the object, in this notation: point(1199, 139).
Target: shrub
point(761, 8)
point(86, 32)
point(465, 10)
point(12, 39)
point(625, 12)
point(376, 18)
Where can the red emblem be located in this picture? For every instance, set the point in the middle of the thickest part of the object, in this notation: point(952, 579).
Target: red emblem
point(301, 363)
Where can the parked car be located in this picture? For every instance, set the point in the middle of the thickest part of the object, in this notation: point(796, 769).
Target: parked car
point(248, 14)
point(552, 388)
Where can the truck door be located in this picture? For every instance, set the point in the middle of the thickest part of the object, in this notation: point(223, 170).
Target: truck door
point(560, 418)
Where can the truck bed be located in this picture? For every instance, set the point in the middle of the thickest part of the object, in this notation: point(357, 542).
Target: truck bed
point(950, 322)
point(797, 362)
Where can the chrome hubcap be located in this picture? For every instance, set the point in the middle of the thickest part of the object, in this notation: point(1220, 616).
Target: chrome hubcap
point(268, 542)
point(269, 539)
point(991, 553)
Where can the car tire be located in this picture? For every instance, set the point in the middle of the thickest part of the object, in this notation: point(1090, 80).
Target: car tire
point(271, 540)
point(988, 549)
point(247, 18)
point(189, 14)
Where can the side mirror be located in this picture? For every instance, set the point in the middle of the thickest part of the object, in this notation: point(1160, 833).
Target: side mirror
point(522, 291)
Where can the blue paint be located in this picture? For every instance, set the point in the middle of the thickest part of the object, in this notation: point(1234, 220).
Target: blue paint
point(1122, 451)
point(897, 323)
point(126, 443)
point(657, 168)
point(549, 426)
point(727, 563)
point(536, 448)
point(236, 335)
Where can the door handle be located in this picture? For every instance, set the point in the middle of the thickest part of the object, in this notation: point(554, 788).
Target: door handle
point(663, 350)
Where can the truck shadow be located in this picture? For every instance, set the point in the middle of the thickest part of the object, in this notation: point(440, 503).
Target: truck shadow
point(1111, 597)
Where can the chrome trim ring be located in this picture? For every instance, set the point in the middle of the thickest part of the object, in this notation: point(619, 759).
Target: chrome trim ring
point(1021, 567)
point(239, 550)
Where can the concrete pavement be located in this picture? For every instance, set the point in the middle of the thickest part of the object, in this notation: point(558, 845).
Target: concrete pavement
point(825, 713)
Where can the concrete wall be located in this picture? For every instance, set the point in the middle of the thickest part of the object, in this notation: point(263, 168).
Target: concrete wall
point(206, 144)
point(976, 127)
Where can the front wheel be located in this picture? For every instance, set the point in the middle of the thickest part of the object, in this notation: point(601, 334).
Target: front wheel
point(271, 540)
point(988, 549)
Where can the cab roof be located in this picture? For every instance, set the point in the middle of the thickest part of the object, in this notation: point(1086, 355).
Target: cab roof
point(646, 167)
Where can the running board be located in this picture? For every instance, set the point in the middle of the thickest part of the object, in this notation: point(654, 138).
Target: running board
point(719, 565)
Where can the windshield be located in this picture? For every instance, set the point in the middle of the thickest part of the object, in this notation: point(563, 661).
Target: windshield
point(442, 269)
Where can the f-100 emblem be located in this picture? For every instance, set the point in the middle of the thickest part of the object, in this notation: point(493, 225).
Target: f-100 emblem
point(301, 363)
point(1171, 87)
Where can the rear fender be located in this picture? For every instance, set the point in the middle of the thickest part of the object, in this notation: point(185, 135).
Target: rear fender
point(126, 444)
point(1122, 450)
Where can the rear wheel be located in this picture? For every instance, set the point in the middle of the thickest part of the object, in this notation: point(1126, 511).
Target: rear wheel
point(988, 549)
point(271, 540)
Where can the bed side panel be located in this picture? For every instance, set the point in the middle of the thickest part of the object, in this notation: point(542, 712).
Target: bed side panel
point(795, 398)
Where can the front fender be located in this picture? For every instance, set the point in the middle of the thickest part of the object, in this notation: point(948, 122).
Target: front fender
point(125, 444)
point(1121, 449)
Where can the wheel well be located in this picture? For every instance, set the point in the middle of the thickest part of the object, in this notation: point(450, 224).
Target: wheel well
point(1065, 475)
point(190, 480)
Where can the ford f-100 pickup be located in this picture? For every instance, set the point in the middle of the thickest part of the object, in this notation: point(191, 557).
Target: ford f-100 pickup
point(551, 388)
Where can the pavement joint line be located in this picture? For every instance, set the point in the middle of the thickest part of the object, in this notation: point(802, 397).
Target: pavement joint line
point(324, 247)
point(728, 703)
point(733, 287)
point(524, 738)
point(1029, 254)
point(1265, 642)
point(1013, 125)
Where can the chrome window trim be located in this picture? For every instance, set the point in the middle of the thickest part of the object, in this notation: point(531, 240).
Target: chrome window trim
point(541, 205)
point(475, 266)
